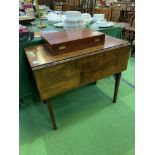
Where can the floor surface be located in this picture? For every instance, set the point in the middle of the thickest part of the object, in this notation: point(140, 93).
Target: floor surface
point(88, 122)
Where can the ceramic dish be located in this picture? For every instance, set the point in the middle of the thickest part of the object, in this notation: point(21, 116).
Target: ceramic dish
point(26, 18)
point(105, 24)
point(98, 17)
point(59, 25)
point(53, 18)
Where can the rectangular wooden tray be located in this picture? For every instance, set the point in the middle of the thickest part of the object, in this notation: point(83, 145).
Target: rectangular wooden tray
point(72, 40)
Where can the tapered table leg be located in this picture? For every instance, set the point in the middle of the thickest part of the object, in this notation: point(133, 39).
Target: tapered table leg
point(51, 114)
point(117, 81)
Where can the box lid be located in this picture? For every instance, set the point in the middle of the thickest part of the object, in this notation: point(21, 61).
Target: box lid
point(70, 35)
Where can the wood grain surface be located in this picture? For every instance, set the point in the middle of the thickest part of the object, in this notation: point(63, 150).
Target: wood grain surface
point(72, 40)
point(56, 75)
point(39, 57)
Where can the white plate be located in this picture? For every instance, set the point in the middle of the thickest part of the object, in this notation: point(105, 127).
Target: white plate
point(60, 25)
point(105, 25)
point(25, 18)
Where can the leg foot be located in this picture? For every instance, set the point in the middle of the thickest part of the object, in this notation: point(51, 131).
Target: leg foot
point(117, 81)
point(51, 114)
point(21, 102)
point(94, 82)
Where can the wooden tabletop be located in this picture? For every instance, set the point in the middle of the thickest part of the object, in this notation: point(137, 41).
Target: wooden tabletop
point(39, 57)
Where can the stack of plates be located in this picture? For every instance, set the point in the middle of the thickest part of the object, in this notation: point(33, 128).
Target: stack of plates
point(73, 15)
point(87, 18)
point(73, 20)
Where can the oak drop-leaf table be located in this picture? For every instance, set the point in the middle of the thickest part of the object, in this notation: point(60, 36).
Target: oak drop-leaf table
point(57, 74)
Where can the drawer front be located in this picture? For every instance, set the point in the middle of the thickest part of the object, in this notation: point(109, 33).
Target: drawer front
point(60, 78)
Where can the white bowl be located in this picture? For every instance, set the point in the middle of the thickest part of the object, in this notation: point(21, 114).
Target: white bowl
point(98, 17)
point(53, 18)
point(85, 16)
point(88, 21)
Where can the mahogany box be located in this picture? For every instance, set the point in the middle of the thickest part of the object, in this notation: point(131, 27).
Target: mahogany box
point(72, 40)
